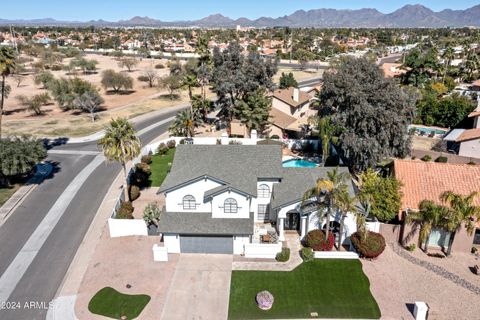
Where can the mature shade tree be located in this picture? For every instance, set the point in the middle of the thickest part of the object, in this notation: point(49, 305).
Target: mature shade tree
point(254, 111)
point(35, 103)
point(304, 57)
point(371, 113)
point(19, 155)
point(7, 67)
point(89, 102)
point(116, 80)
point(234, 75)
point(86, 65)
point(420, 65)
point(44, 78)
point(172, 83)
point(128, 63)
point(65, 91)
point(149, 76)
point(120, 143)
point(287, 80)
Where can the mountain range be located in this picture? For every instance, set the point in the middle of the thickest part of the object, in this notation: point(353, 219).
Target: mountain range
point(409, 16)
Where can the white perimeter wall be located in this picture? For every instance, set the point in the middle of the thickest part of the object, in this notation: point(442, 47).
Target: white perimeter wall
point(127, 227)
point(263, 250)
point(239, 243)
point(172, 243)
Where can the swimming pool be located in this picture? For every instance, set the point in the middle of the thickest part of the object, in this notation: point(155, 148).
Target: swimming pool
point(427, 130)
point(298, 163)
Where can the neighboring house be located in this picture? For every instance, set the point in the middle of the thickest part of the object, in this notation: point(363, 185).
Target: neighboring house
point(290, 112)
point(466, 142)
point(393, 70)
point(427, 181)
point(219, 198)
point(476, 85)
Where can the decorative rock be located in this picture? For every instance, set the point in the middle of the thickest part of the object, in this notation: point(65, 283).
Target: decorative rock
point(264, 300)
point(476, 269)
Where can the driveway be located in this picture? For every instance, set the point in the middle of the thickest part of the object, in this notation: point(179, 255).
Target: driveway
point(200, 288)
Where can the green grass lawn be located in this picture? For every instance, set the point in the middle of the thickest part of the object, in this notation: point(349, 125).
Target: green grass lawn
point(334, 288)
point(160, 167)
point(109, 302)
point(6, 193)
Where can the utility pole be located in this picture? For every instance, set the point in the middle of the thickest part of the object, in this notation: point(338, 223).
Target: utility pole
point(12, 32)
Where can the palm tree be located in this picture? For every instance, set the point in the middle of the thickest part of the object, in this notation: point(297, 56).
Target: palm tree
point(325, 193)
point(346, 204)
point(325, 130)
point(190, 81)
point(120, 144)
point(448, 55)
point(462, 212)
point(185, 123)
point(429, 216)
point(7, 67)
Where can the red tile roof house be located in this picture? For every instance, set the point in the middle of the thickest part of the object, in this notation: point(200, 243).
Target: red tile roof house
point(427, 181)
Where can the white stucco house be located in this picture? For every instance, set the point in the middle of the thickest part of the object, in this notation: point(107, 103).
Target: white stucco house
point(222, 198)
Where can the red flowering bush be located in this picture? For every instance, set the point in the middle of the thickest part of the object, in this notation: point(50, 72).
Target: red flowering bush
point(316, 240)
point(371, 247)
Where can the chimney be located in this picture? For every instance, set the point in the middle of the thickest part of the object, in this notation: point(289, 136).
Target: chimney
point(296, 95)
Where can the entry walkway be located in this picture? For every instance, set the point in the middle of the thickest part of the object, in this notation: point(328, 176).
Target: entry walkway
point(292, 242)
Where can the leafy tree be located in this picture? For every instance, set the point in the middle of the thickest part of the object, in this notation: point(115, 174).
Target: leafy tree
point(120, 144)
point(65, 91)
point(420, 64)
point(304, 57)
point(254, 111)
point(172, 83)
point(89, 101)
point(370, 112)
point(35, 103)
point(19, 155)
point(287, 80)
point(44, 78)
point(86, 65)
point(7, 67)
point(116, 80)
point(185, 124)
point(190, 81)
point(149, 76)
point(201, 106)
point(234, 75)
point(128, 63)
point(383, 194)
point(452, 110)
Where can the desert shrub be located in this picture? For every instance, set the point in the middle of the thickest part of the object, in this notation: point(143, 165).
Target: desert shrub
point(144, 167)
point(371, 247)
point(159, 66)
point(275, 137)
point(442, 159)
point(317, 241)
point(147, 159)
point(125, 211)
point(426, 158)
point(284, 255)
point(474, 250)
point(140, 175)
point(162, 149)
point(134, 192)
point(307, 254)
point(56, 67)
point(234, 142)
point(411, 247)
point(171, 144)
point(472, 163)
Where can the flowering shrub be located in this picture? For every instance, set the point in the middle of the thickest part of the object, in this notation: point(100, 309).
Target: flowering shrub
point(370, 248)
point(316, 240)
point(264, 300)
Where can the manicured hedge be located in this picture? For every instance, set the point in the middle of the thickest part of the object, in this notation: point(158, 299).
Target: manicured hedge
point(316, 240)
point(372, 247)
point(307, 254)
point(284, 255)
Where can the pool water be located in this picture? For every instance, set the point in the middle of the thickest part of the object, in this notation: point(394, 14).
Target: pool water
point(428, 130)
point(298, 163)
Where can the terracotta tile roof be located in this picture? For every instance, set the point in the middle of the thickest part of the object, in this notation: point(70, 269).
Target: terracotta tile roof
point(428, 180)
point(469, 134)
point(281, 119)
point(286, 95)
point(476, 83)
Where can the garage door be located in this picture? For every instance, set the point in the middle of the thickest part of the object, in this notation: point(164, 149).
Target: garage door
point(206, 244)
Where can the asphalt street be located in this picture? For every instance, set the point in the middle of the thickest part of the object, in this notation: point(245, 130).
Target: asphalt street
point(37, 286)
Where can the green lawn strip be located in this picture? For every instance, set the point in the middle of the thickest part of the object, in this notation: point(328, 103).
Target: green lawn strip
point(160, 167)
point(334, 288)
point(109, 302)
point(6, 193)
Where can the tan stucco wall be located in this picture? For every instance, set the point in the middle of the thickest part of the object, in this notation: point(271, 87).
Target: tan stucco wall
point(282, 106)
point(274, 130)
point(391, 232)
point(462, 242)
point(470, 148)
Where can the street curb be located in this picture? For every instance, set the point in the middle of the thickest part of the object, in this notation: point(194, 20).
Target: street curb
point(43, 171)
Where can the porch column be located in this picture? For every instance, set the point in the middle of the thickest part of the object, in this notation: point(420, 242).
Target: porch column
point(281, 235)
point(303, 226)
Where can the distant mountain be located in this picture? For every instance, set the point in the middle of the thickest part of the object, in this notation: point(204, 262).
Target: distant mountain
point(409, 16)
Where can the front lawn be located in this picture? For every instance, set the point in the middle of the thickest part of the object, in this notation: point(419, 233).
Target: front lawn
point(333, 288)
point(110, 303)
point(160, 166)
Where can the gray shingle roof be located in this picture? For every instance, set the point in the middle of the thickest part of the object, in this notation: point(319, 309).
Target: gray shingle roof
point(203, 223)
point(238, 165)
point(296, 181)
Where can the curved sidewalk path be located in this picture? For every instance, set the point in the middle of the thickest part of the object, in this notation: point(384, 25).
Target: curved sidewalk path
point(442, 272)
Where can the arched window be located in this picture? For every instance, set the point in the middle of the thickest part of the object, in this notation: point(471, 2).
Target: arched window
point(189, 203)
point(230, 206)
point(263, 191)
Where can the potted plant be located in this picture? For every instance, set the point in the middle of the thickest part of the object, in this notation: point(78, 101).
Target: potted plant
point(151, 216)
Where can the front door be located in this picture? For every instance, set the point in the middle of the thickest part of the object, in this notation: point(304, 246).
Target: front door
point(292, 221)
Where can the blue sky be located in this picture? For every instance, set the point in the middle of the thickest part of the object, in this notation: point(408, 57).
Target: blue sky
point(169, 10)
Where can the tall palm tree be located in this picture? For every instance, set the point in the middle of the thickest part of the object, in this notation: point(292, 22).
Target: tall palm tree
point(430, 215)
point(325, 193)
point(120, 144)
point(190, 81)
point(325, 130)
point(463, 211)
point(346, 204)
point(185, 123)
point(7, 67)
point(448, 55)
